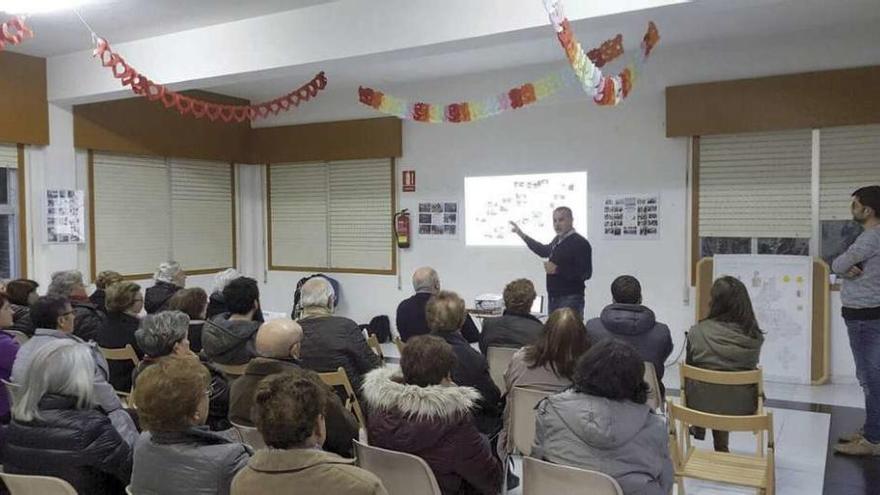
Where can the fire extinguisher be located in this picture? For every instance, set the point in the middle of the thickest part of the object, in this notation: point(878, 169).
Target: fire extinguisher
point(401, 228)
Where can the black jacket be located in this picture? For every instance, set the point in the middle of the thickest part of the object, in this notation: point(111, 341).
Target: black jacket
point(21, 320)
point(333, 341)
point(226, 341)
point(574, 260)
point(636, 325)
point(99, 299)
point(411, 319)
point(117, 332)
point(510, 330)
point(472, 370)
point(194, 335)
point(79, 446)
point(156, 297)
point(88, 320)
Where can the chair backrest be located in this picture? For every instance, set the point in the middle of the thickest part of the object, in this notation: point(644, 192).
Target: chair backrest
point(339, 378)
point(540, 477)
point(123, 354)
point(399, 343)
point(499, 358)
point(19, 337)
point(250, 435)
point(373, 342)
point(19, 484)
point(692, 417)
point(752, 377)
point(655, 398)
point(128, 490)
point(231, 370)
point(400, 473)
point(521, 431)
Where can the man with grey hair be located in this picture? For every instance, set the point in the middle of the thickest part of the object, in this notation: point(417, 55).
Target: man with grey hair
point(69, 285)
point(332, 341)
point(411, 311)
point(53, 318)
point(169, 278)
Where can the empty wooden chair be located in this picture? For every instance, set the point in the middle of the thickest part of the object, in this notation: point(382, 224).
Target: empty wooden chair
point(339, 378)
point(400, 473)
point(542, 477)
point(250, 435)
point(755, 471)
point(499, 359)
point(19, 484)
point(655, 397)
point(521, 430)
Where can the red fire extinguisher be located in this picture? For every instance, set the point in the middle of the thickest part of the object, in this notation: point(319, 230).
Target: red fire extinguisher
point(401, 228)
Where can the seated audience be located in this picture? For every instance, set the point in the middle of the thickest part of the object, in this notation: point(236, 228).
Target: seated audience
point(411, 319)
point(193, 302)
point(228, 338)
point(69, 284)
point(102, 281)
point(289, 414)
point(727, 340)
point(21, 293)
point(445, 313)
point(516, 327)
point(421, 411)
point(627, 320)
point(177, 453)
point(58, 428)
point(8, 349)
point(216, 303)
point(604, 424)
point(332, 341)
point(278, 346)
point(164, 334)
point(548, 364)
point(54, 320)
point(169, 278)
point(124, 303)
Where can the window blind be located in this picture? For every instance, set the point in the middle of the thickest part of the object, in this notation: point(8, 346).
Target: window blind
point(755, 185)
point(132, 209)
point(8, 156)
point(298, 210)
point(849, 159)
point(201, 205)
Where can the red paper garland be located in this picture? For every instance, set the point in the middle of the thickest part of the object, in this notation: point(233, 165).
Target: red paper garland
point(185, 105)
point(13, 32)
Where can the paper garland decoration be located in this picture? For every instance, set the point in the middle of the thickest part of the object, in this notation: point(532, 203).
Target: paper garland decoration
point(13, 32)
point(185, 105)
point(605, 90)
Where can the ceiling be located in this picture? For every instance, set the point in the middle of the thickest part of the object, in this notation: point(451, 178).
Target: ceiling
point(125, 20)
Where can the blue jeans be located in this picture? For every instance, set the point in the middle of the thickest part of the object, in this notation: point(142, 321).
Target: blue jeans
point(864, 339)
point(573, 301)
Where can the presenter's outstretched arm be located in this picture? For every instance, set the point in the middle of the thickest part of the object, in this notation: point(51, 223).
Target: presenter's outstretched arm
point(542, 250)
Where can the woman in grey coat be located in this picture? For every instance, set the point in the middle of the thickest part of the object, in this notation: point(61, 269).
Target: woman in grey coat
point(604, 424)
point(177, 454)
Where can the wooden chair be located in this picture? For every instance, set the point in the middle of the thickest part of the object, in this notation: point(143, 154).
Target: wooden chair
point(339, 378)
point(373, 342)
point(499, 358)
point(128, 490)
point(19, 337)
point(753, 377)
point(400, 473)
point(755, 471)
point(232, 371)
point(521, 430)
point(123, 354)
point(20, 484)
point(250, 435)
point(655, 398)
point(542, 477)
point(399, 343)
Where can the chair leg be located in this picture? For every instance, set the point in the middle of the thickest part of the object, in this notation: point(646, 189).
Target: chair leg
point(680, 482)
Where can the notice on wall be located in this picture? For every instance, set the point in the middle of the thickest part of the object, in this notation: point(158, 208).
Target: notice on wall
point(632, 216)
point(65, 216)
point(438, 220)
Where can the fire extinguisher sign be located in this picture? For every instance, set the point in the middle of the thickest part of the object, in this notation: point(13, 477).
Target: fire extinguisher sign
point(409, 181)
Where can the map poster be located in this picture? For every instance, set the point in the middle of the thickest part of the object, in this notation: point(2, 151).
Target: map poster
point(438, 219)
point(65, 216)
point(631, 216)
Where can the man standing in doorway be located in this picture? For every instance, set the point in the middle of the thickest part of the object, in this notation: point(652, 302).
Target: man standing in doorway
point(569, 264)
point(859, 267)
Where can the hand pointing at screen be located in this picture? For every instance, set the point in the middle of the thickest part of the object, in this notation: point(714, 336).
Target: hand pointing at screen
point(515, 228)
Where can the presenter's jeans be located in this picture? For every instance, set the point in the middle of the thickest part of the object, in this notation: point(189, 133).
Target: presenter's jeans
point(864, 339)
point(573, 301)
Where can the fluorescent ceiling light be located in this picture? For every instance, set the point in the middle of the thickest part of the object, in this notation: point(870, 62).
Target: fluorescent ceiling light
point(27, 7)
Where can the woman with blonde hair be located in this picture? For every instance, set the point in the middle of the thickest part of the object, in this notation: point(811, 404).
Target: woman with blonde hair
point(104, 279)
point(124, 303)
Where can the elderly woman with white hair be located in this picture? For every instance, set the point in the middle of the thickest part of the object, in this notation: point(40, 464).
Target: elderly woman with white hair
point(169, 278)
point(87, 319)
point(56, 428)
point(332, 341)
point(165, 334)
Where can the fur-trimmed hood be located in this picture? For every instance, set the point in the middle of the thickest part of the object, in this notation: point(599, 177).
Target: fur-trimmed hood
point(384, 390)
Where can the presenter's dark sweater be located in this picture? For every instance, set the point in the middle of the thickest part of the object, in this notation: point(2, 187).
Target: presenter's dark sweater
point(573, 257)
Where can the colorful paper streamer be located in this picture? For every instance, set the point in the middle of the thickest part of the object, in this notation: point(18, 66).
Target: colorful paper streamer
point(185, 105)
point(605, 90)
point(13, 32)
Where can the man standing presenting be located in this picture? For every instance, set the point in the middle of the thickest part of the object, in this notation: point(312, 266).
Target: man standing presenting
point(860, 296)
point(569, 262)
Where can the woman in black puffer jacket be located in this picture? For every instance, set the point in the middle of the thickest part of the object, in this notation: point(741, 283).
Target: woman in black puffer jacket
point(56, 430)
point(21, 293)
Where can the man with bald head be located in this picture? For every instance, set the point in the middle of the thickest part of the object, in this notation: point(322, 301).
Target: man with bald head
point(411, 311)
point(278, 346)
